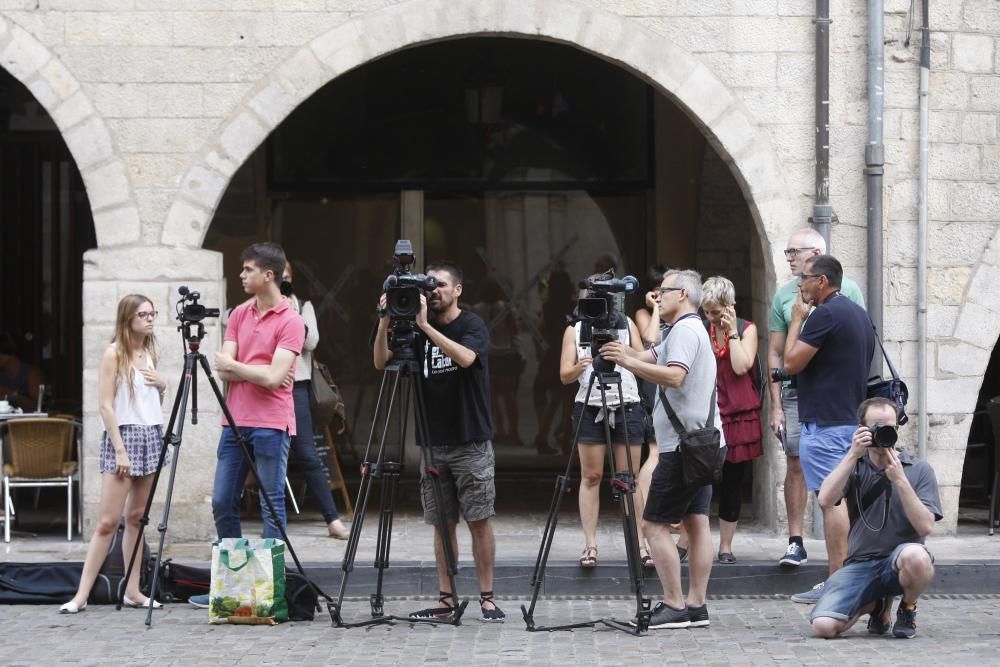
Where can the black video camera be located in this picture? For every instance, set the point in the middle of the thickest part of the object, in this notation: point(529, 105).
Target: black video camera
point(599, 310)
point(189, 311)
point(403, 289)
point(883, 436)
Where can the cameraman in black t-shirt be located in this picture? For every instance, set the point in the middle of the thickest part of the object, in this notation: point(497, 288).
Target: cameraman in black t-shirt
point(455, 378)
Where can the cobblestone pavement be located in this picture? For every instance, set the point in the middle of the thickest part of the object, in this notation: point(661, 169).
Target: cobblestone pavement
point(951, 630)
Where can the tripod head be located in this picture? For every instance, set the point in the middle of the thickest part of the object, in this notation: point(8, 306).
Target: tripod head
point(403, 341)
point(191, 314)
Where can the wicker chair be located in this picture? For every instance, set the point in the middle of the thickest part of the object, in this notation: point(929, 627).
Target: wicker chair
point(41, 454)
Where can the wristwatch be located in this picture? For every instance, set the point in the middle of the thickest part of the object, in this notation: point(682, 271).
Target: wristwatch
point(734, 336)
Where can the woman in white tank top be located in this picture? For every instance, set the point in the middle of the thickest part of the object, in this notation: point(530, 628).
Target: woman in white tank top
point(130, 393)
point(589, 421)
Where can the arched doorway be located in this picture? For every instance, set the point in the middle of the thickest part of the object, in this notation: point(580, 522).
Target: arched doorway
point(526, 161)
point(45, 227)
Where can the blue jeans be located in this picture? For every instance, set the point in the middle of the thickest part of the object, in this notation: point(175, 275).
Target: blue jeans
point(856, 585)
point(303, 456)
point(269, 448)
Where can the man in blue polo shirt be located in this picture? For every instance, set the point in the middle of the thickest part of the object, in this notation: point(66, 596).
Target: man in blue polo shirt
point(831, 354)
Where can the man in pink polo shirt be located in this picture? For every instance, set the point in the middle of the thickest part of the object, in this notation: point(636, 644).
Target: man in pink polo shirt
point(263, 337)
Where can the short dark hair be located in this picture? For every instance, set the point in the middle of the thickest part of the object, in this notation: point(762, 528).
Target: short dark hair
point(267, 255)
point(827, 265)
point(870, 403)
point(447, 265)
point(655, 274)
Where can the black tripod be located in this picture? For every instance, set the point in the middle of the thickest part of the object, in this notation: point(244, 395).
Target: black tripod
point(622, 488)
point(403, 370)
point(193, 332)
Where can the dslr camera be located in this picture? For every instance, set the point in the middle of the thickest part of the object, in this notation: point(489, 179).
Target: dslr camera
point(599, 310)
point(883, 436)
point(402, 290)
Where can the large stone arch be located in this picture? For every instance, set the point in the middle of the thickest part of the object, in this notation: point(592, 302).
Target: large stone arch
point(670, 69)
point(105, 176)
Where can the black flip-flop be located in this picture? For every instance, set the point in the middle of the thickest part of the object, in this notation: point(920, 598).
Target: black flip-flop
point(727, 558)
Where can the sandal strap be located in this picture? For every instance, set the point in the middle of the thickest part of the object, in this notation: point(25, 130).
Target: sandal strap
point(444, 596)
point(433, 612)
point(485, 596)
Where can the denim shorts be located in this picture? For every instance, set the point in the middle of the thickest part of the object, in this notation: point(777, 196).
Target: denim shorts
point(467, 473)
point(820, 450)
point(856, 585)
point(592, 431)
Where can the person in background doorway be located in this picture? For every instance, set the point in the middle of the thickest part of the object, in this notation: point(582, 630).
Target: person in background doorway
point(19, 380)
point(302, 453)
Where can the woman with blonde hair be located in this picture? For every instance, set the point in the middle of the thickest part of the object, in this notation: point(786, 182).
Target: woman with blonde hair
point(734, 342)
point(130, 393)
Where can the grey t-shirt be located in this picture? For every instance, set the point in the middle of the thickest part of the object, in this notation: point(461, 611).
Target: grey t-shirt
point(688, 346)
point(866, 544)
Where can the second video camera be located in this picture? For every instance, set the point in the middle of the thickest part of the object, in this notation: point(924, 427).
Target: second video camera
point(403, 288)
point(600, 311)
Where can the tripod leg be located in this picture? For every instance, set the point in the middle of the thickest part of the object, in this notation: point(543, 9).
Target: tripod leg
point(369, 470)
point(623, 490)
point(169, 438)
point(434, 475)
point(562, 488)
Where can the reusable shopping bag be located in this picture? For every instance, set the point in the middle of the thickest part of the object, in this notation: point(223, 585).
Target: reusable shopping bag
point(248, 582)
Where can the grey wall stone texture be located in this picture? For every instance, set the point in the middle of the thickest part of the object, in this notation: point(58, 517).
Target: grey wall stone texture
point(160, 101)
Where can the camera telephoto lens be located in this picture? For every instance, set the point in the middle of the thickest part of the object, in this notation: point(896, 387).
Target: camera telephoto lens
point(883, 436)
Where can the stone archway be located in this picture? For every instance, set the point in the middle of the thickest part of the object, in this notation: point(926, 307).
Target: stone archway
point(957, 377)
point(672, 71)
point(105, 176)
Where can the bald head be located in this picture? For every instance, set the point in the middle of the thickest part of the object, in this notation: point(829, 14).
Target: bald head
point(807, 237)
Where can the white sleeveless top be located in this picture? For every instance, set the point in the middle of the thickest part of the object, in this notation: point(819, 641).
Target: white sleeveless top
point(629, 386)
point(145, 410)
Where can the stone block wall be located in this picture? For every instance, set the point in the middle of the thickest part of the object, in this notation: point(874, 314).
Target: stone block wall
point(160, 102)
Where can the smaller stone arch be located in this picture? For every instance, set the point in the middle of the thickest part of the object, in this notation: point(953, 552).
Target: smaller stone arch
point(105, 176)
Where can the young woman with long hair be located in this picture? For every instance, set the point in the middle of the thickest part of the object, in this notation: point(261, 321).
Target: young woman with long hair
point(130, 393)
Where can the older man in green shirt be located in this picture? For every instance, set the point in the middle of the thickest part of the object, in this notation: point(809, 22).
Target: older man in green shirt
point(802, 245)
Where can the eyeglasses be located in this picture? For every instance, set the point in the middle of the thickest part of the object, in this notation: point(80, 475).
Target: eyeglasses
point(792, 252)
point(664, 290)
point(806, 276)
point(147, 315)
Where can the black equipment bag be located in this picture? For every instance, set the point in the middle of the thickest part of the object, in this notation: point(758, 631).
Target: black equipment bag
point(301, 597)
point(894, 389)
point(114, 561)
point(179, 582)
point(701, 453)
point(38, 583)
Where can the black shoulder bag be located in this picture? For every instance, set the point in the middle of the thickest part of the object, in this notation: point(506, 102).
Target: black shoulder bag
point(894, 389)
point(701, 454)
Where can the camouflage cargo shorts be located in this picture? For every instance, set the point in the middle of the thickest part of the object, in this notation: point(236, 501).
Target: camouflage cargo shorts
point(467, 473)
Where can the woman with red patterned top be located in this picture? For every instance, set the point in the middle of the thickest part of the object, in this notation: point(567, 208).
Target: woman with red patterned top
point(734, 342)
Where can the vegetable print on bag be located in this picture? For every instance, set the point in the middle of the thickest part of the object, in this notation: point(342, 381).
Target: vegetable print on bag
point(248, 582)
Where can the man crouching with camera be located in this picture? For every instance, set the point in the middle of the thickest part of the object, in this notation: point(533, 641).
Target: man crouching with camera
point(893, 502)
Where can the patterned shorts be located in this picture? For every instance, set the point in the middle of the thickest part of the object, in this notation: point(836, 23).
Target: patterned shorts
point(142, 443)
